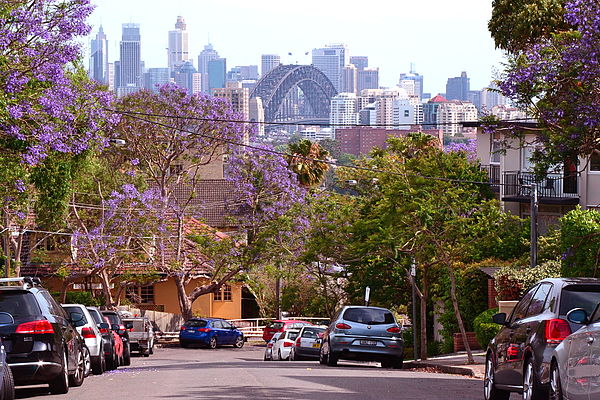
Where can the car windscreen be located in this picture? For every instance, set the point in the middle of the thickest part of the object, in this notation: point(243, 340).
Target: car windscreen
point(579, 296)
point(196, 323)
point(370, 316)
point(275, 325)
point(19, 304)
point(312, 332)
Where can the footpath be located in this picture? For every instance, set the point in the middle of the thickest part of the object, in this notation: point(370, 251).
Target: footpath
point(455, 363)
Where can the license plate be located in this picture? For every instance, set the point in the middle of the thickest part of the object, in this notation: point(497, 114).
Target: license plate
point(368, 343)
point(316, 345)
point(191, 331)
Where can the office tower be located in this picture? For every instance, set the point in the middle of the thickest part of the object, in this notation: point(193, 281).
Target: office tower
point(367, 78)
point(237, 96)
point(257, 114)
point(117, 70)
point(186, 76)
point(349, 79)
point(343, 110)
point(416, 78)
point(331, 61)
point(178, 45)
point(269, 62)
point(206, 55)
point(448, 115)
point(131, 65)
point(155, 77)
point(458, 88)
point(99, 58)
point(217, 73)
point(111, 77)
point(243, 73)
point(492, 97)
point(360, 62)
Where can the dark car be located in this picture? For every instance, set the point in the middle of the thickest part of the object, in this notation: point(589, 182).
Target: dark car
point(518, 358)
point(111, 354)
point(7, 383)
point(41, 344)
point(364, 334)
point(210, 332)
point(119, 327)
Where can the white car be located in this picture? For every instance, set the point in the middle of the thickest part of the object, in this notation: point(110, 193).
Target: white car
point(307, 345)
point(283, 345)
point(88, 329)
point(269, 349)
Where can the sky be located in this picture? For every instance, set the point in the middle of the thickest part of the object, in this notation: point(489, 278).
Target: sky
point(441, 37)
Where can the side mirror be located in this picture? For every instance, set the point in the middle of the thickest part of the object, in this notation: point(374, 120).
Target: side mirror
point(103, 325)
point(499, 318)
point(578, 316)
point(115, 327)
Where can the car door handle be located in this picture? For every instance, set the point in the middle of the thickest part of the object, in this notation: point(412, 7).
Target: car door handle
point(590, 340)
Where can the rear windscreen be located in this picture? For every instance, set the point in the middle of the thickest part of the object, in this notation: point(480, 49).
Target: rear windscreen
point(114, 319)
point(369, 316)
point(196, 323)
point(275, 325)
point(312, 332)
point(19, 304)
point(579, 296)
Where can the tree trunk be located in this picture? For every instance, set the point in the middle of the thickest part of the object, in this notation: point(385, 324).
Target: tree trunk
point(108, 299)
point(185, 305)
point(63, 291)
point(461, 325)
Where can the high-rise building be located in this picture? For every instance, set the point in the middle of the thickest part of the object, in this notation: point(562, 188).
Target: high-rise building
point(343, 110)
point(458, 88)
point(492, 97)
point(257, 114)
point(206, 55)
point(111, 76)
point(448, 115)
point(239, 98)
point(99, 58)
point(186, 76)
point(269, 62)
point(178, 45)
point(360, 62)
point(367, 78)
point(243, 73)
point(414, 77)
point(155, 77)
point(217, 74)
point(130, 70)
point(349, 79)
point(331, 60)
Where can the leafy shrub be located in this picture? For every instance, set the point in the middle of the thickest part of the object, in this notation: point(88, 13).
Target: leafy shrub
point(485, 329)
point(85, 298)
point(512, 281)
point(580, 242)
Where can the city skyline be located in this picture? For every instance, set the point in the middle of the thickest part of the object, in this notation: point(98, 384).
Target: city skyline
point(463, 25)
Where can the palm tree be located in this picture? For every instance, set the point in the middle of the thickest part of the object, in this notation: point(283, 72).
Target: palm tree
point(309, 161)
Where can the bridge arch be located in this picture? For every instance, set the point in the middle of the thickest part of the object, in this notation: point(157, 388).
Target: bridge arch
point(274, 87)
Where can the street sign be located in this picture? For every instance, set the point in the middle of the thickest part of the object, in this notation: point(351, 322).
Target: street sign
point(367, 295)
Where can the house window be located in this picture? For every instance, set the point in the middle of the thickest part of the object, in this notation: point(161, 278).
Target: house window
point(595, 161)
point(223, 294)
point(141, 294)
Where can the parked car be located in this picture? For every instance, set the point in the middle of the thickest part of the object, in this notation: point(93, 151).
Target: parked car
point(117, 325)
point(283, 346)
point(141, 335)
point(365, 334)
point(518, 358)
point(88, 329)
point(308, 343)
point(119, 347)
point(7, 383)
point(280, 325)
point(41, 344)
point(112, 355)
point(269, 348)
point(575, 364)
point(210, 332)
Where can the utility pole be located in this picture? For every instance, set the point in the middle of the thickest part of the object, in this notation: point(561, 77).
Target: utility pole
point(534, 234)
point(413, 274)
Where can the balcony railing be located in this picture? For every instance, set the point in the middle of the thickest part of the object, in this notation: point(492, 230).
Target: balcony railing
point(553, 187)
point(493, 172)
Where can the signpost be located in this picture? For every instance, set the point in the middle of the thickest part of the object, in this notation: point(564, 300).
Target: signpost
point(367, 295)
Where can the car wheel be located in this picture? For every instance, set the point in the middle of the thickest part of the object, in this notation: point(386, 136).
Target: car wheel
point(76, 379)
point(292, 356)
point(146, 353)
point(87, 361)
point(531, 387)
point(212, 343)
point(555, 385)
point(126, 355)
point(279, 358)
point(151, 350)
point(322, 357)
point(332, 358)
point(60, 384)
point(99, 364)
point(239, 342)
point(8, 384)
point(184, 344)
point(490, 392)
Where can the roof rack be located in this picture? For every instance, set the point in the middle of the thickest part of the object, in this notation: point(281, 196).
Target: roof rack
point(27, 282)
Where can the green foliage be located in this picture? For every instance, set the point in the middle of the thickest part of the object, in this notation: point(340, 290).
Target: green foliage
point(485, 329)
point(303, 161)
point(512, 281)
point(549, 246)
point(85, 298)
point(580, 242)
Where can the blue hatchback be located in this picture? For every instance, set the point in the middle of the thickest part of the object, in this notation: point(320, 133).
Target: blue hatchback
point(210, 332)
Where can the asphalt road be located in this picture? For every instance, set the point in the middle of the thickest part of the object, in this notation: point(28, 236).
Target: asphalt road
point(228, 373)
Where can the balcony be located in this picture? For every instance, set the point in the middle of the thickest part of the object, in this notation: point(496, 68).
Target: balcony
point(553, 189)
point(493, 172)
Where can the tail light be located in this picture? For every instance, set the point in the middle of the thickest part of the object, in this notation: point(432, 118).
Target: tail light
point(102, 330)
point(557, 330)
point(288, 344)
point(204, 330)
point(121, 327)
point(88, 333)
point(298, 341)
point(343, 326)
point(393, 329)
point(182, 328)
point(269, 345)
point(35, 327)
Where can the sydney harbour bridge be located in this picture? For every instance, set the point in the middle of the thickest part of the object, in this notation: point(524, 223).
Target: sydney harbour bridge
point(295, 94)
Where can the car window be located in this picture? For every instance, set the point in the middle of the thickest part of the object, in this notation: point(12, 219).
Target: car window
point(579, 296)
point(226, 325)
point(275, 325)
point(538, 301)
point(217, 324)
point(71, 310)
point(196, 323)
point(19, 304)
point(54, 307)
point(312, 332)
point(520, 310)
point(96, 316)
point(113, 318)
point(370, 316)
point(292, 335)
point(276, 337)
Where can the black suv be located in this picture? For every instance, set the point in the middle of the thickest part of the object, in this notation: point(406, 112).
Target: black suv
point(42, 346)
point(118, 326)
point(518, 358)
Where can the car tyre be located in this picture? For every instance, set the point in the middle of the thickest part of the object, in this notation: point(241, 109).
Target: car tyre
point(8, 384)
point(184, 344)
point(555, 384)
point(239, 342)
point(322, 357)
point(99, 364)
point(151, 350)
point(332, 358)
point(87, 361)
point(490, 392)
point(532, 389)
point(126, 355)
point(77, 377)
point(60, 384)
point(212, 343)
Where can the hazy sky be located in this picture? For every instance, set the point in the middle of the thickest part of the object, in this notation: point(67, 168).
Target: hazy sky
point(442, 37)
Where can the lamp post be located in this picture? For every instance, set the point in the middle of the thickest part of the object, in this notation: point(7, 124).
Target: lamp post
point(413, 274)
point(534, 231)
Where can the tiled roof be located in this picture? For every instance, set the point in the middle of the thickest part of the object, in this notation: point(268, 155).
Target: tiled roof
point(438, 99)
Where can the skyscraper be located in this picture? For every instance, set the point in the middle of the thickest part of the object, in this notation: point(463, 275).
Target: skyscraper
point(155, 77)
point(130, 70)
point(217, 74)
point(206, 55)
point(458, 88)
point(349, 79)
point(368, 78)
point(418, 80)
point(360, 62)
point(186, 76)
point(268, 62)
point(178, 45)
point(99, 58)
point(331, 61)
